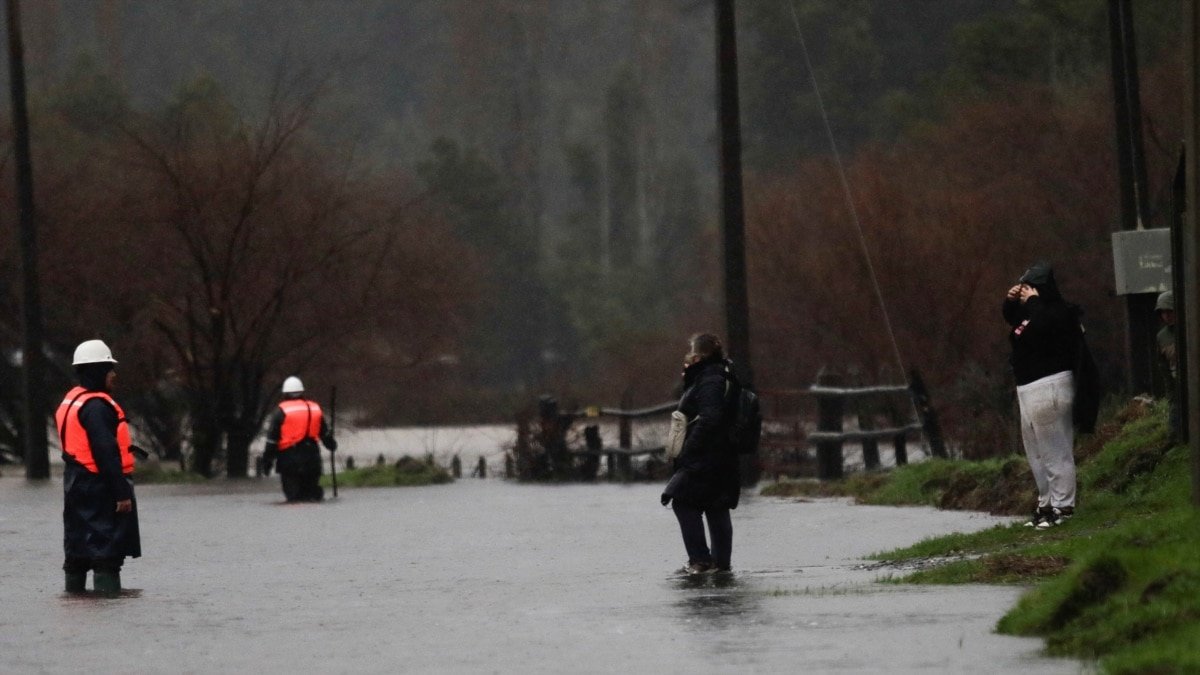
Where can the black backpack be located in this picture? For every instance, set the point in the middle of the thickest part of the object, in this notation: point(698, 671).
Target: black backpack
point(745, 415)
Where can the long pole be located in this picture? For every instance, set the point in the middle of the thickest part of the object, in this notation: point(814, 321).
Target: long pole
point(1191, 238)
point(1134, 188)
point(37, 453)
point(737, 304)
point(332, 429)
point(737, 308)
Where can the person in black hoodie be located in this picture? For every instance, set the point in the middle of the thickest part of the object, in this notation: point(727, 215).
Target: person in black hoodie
point(1044, 332)
point(705, 484)
point(100, 517)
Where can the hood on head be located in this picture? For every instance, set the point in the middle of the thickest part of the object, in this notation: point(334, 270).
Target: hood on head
point(1040, 275)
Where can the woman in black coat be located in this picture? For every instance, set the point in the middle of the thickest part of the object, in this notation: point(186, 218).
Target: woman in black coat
point(705, 484)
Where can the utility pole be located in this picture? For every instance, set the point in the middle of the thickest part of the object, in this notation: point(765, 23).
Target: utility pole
point(1134, 186)
point(37, 454)
point(737, 306)
point(1191, 237)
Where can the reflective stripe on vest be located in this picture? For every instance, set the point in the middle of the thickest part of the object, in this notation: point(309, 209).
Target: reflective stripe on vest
point(73, 436)
point(301, 420)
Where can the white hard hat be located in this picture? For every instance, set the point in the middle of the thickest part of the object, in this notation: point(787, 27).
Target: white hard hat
point(92, 351)
point(293, 385)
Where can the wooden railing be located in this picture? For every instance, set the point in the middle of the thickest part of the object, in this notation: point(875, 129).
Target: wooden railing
point(547, 454)
point(835, 403)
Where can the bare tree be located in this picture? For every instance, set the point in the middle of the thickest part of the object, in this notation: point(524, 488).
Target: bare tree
point(270, 257)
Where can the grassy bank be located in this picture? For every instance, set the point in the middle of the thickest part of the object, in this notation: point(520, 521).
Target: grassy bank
point(406, 472)
point(1119, 583)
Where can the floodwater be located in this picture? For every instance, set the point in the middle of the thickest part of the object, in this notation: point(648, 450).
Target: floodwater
point(490, 576)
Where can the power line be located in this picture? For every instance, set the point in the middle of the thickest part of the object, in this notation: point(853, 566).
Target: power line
point(837, 157)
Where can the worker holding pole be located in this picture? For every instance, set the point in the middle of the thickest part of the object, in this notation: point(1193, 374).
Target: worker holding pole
point(292, 435)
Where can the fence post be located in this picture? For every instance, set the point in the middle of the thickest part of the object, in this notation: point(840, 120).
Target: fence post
point(901, 449)
point(831, 410)
point(870, 446)
point(625, 442)
point(591, 465)
point(900, 440)
point(625, 439)
point(521, 454)
point(864, 409)
point(929, 419)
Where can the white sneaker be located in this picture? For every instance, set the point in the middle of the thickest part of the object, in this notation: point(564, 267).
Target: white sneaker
point(1057, 516)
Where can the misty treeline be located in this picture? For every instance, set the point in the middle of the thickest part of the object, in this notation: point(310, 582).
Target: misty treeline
point(1011, 161)
point(464, 203)
point(218, 253)
point(447, 264)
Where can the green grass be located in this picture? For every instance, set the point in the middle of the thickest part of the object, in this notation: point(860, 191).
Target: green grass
point(997, 485)
point(1119, 583)
point(407, 472)
point(146, 475)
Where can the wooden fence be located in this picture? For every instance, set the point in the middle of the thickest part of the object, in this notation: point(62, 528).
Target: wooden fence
point(907, 407)
point(546, 452)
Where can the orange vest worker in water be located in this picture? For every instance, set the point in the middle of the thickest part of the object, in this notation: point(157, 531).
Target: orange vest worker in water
point(292, 435)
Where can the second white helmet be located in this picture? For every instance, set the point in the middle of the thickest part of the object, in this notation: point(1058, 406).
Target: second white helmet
point(92, 351)
point(293, 385)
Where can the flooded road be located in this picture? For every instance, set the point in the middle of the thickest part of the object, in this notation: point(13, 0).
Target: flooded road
point(488, 576)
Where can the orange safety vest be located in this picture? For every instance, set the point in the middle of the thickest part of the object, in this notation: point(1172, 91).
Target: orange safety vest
point(74, 437)
point(301, 420)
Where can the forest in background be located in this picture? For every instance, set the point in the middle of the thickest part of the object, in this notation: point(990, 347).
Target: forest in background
point(482, 200)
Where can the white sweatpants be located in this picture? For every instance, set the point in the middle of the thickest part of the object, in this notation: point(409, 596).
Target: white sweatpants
point(1049, 436)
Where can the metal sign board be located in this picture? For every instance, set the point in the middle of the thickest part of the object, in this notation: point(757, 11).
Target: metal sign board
point(1142, 260)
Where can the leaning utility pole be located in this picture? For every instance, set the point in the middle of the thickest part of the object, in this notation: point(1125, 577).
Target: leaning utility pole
point(1191, 237)
point(1134, 187)
point(737, 306)
point(37, 454)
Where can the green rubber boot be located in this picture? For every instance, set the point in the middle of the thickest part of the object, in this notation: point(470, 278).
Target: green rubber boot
point(108, 583)
point(76, 582)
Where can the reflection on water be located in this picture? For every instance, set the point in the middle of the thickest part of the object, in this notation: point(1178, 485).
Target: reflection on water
point(716, 600)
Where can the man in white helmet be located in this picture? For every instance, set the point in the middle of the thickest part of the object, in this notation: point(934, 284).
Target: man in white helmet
point(292, 434)
point(100, 521)
point(1169, 363)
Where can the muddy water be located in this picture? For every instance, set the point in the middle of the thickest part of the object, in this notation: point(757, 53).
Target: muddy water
point(486, 576)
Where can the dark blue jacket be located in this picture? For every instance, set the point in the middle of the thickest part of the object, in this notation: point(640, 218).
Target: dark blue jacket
point(92, 528)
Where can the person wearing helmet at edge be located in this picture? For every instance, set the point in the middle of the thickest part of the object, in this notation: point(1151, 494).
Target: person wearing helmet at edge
point(1044, 332)
point(1169, 363)
point(292, 434)
point(100, 517)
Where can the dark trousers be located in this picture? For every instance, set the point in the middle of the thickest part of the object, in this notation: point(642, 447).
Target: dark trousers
point(300, 472)
point(691, 525)
point(302, 486)
point(75, 565)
